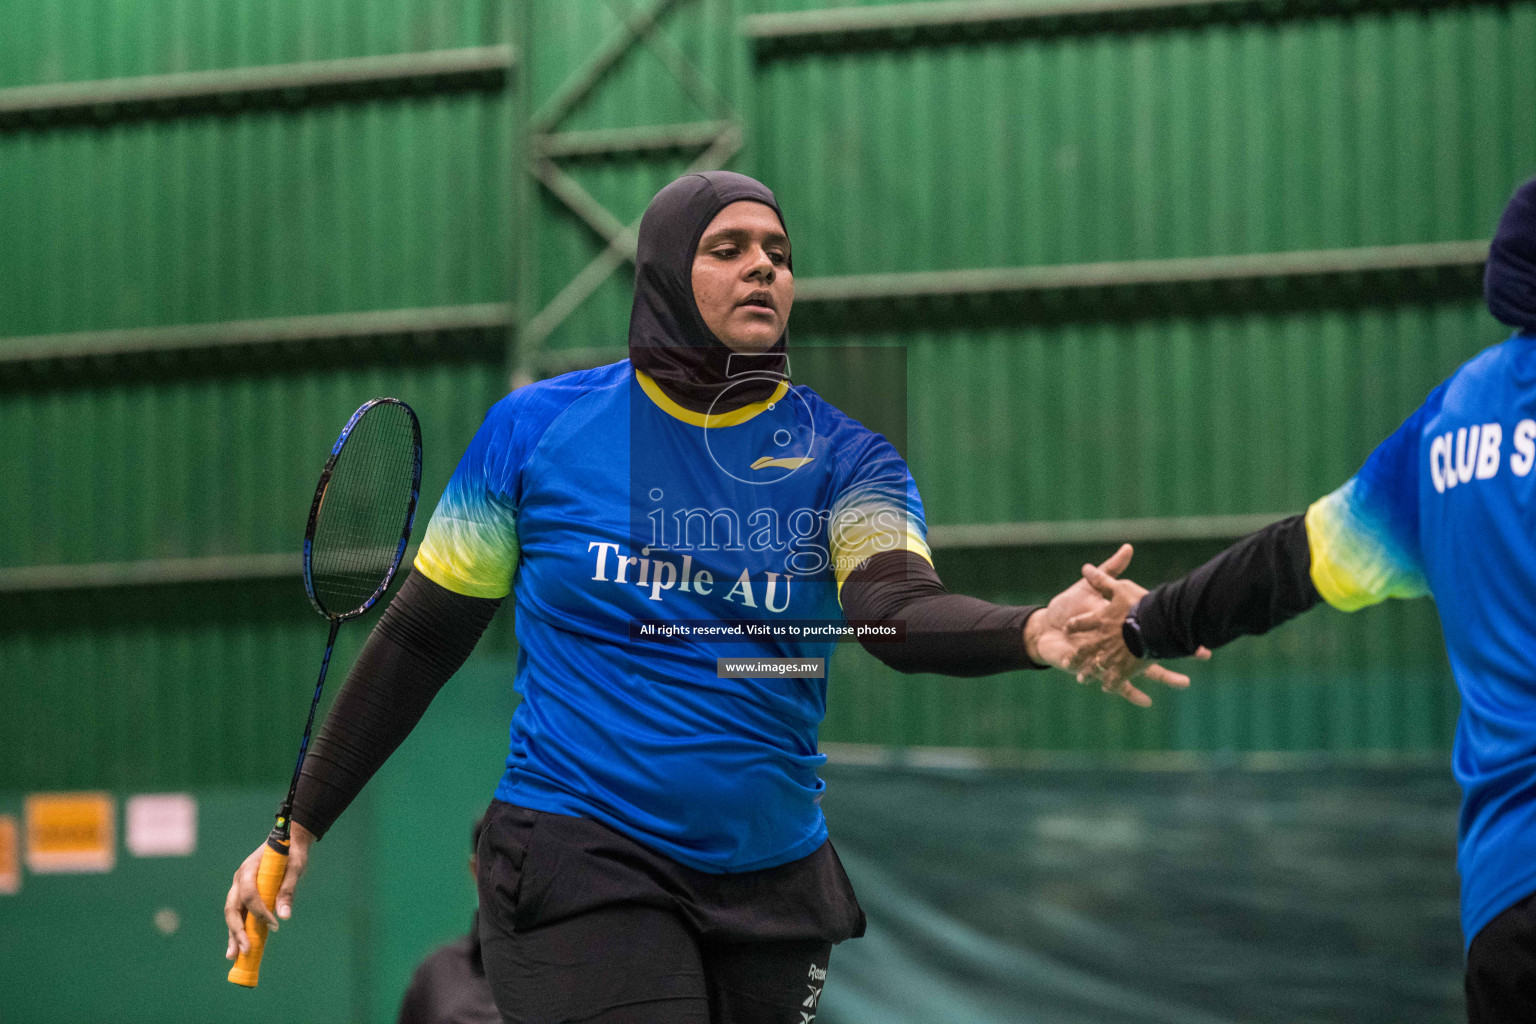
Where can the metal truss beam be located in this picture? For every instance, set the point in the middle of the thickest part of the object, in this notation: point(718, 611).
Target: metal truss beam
point(612, 50)
point(151, 572)
point(234, 88)
point(1097, 531)
point(236, 568)
point(426, 321)
point(720, 139)
point(1426, 260)
point(603, 142)
point(905, 24)
point(1413, 266)
point(620, 250)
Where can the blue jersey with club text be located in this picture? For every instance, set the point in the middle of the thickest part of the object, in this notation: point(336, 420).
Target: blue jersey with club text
point(606, 508)
point(1445, 506)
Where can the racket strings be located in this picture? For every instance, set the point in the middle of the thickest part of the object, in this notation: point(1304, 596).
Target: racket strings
point(363, 512)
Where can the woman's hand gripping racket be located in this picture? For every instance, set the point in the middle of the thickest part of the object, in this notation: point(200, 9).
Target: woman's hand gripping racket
point(359, 525)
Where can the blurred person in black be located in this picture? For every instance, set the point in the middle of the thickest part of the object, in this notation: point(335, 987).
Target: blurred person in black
point(449, 986)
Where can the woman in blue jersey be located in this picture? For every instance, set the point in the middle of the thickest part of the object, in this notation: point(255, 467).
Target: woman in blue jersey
point(656, 849)
point(1440, 508)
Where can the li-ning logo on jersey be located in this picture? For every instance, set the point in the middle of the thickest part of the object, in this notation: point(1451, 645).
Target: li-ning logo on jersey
point(796, 422)
point(769, 462)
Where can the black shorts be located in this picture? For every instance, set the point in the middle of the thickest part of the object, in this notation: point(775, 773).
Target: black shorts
point(580, 923)
point(1501, 968)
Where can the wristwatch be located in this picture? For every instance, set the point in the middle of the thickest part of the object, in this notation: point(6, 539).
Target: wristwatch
point(1130, 632)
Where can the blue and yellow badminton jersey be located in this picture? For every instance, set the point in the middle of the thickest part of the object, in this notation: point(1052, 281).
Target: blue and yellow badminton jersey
point(600, 503)
point(1445, 506)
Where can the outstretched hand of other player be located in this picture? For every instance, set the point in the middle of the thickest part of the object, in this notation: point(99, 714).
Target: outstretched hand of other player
point(1099, 645)
point(1050, 642)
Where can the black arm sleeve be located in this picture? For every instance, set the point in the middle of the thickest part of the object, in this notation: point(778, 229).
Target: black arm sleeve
point(422, 638)
point(948, 633)
point(1252, 587)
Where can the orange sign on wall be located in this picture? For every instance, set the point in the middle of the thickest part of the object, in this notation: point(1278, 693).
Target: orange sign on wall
point(10, 856)
point(71, 832)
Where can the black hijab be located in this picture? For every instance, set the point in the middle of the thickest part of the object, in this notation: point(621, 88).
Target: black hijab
point(667, 336)
point(1510, 281)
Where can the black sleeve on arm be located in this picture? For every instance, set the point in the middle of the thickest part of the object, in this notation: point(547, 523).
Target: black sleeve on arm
point(1252, 587)
point(948, 633)
point(422, 638)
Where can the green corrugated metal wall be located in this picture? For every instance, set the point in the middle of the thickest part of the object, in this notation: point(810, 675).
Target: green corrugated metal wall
point(398, 198)
point(1303, 132)
point(910, 151)
point(1308, 131)
point(166, 685)
point(397, 201)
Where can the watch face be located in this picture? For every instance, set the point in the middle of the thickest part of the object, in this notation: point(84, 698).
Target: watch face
point(1130, 632)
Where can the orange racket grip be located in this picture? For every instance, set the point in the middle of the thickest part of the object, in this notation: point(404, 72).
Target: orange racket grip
point(269, 878)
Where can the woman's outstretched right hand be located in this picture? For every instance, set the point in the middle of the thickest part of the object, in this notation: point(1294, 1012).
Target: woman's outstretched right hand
point(243, 898)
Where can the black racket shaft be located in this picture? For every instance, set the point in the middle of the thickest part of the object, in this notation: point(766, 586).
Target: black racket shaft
point(283, 825)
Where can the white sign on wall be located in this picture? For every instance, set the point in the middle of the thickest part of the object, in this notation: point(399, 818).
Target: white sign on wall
point(162, 825)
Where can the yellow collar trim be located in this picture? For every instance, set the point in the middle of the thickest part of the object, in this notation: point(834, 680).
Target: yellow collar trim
point(704, 419)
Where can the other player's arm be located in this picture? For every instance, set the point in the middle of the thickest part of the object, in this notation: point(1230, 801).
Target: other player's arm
point(884, 571)
point(1354, 547)
point(959, 635)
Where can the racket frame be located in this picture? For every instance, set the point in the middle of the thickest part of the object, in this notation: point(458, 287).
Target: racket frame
point(282, 829)
point(319, 499)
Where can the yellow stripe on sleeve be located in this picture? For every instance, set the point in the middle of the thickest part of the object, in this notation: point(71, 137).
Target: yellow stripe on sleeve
point(469, 558)
point(860, 532)
point(1354, 566)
